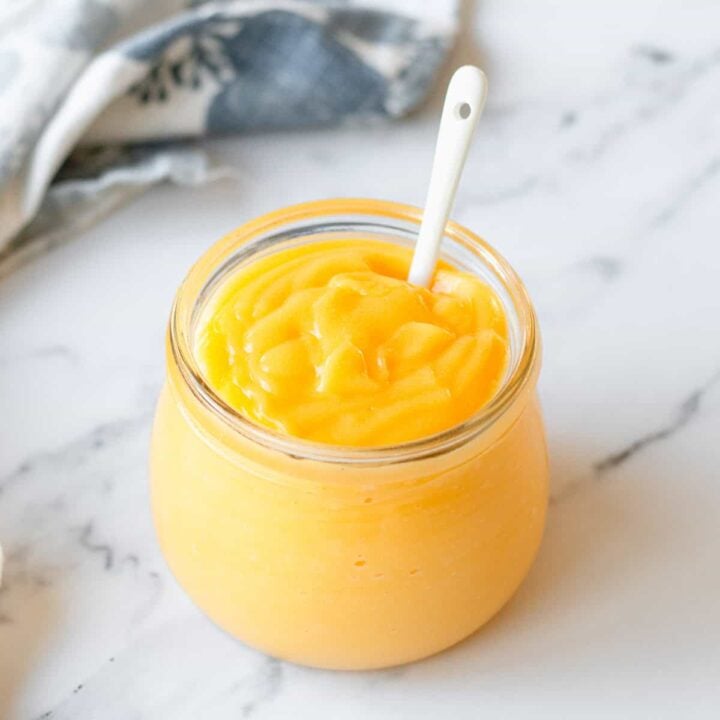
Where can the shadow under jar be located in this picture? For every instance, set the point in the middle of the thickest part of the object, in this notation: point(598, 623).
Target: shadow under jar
point(348, 558)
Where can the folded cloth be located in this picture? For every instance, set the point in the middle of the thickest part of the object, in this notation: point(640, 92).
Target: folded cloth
point(109, 73)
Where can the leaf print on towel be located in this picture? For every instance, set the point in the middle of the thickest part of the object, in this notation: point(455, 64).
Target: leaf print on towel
point(190, 59)
point(290, 71)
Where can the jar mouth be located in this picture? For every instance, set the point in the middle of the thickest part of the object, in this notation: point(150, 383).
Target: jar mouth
point(388, 220)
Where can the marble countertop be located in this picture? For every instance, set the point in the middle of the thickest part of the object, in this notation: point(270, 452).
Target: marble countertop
point(597, 173)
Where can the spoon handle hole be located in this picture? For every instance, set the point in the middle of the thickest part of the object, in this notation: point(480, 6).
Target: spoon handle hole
point(463, 111)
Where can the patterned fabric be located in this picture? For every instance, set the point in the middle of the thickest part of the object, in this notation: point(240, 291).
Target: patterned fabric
point(92, 90)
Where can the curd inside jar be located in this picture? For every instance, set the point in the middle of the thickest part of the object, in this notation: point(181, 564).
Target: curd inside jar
point(328, 341)
point(343, 556)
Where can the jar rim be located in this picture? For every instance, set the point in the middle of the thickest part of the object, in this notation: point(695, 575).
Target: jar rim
point(202, 272)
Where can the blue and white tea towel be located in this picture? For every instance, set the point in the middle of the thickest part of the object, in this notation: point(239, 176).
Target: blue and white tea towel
point(92, 90)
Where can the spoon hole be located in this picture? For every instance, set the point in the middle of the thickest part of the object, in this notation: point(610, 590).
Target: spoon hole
point(463, 110)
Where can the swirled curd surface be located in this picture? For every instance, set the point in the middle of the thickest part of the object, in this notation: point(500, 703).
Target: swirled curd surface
point(328, 342)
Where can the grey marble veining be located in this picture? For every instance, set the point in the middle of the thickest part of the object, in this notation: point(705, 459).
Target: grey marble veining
point(684, 414)
point(596, 171)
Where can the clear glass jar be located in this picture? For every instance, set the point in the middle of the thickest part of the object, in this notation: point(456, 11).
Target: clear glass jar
point(337, 557)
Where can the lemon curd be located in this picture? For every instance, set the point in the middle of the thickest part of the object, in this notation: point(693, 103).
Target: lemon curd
point(348, 471)
point(328, 342)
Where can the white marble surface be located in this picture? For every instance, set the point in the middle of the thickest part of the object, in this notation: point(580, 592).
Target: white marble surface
point(597, 173)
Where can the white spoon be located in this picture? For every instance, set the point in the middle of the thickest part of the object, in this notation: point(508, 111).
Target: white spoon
point(464, 103)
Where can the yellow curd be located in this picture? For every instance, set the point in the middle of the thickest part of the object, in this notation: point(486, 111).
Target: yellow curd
point(347, 471)
point(329, 342)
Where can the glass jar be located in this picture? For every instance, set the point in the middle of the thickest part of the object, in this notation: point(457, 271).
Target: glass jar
point(336, 557)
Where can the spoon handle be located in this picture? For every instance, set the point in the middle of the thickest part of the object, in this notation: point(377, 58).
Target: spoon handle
point(464, 103)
